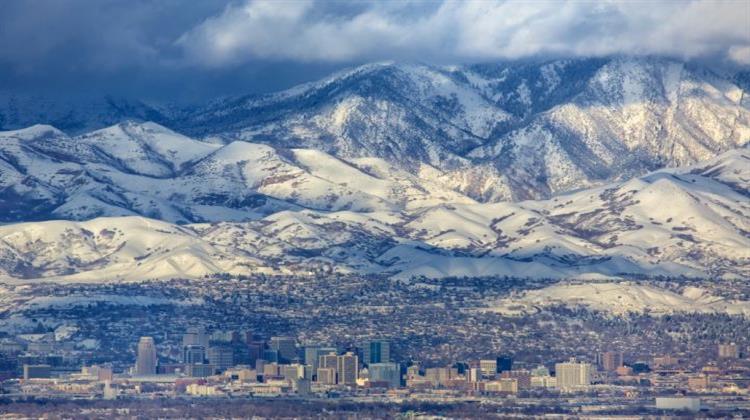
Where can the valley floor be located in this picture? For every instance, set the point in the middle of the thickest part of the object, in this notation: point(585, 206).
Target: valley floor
point(438, 321)
point(365, 408)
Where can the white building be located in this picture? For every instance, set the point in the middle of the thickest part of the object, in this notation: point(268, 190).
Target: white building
point(573, 375)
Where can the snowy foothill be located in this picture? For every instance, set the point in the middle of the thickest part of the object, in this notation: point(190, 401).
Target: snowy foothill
point(618, 298)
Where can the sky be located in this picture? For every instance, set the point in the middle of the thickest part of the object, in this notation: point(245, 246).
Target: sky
point(182, 51)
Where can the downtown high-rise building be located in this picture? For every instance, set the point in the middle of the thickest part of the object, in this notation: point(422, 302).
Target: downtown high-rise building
point(347, 368)
point(376, 351)
point(488, 367)
point(195, 336)
point(610, 360)
point(329, 361)
point(573, 375)
point(221, 356)
point(193, 354)
point(440, 375)
point(389, 373)
point(145, 363)
point(313, 353)
point(326, 376)
point(504, 363)
point(286, 346)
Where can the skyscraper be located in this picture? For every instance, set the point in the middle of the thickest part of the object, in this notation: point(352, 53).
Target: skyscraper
point(326, 376)
point(347, 368)
point(145, 363)
point(195, 336)
point(286, 346)
point(313, 353)
point(193, 354)
point(329, 360)
point(504, 363)
point(376, 351)
point(221, 356)
point(488, 367)
point(386, 372)
point(610, 360)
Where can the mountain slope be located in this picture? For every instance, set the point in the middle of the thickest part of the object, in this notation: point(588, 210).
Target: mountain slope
point(146, 169)
point(502, 132)
point(495, 132)
point(690, 222)
point(631, 116)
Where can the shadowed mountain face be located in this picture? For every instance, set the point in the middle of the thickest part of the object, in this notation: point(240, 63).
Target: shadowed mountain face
point(490, 132)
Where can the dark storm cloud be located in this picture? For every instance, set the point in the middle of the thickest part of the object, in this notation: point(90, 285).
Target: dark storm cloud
point(188, 49)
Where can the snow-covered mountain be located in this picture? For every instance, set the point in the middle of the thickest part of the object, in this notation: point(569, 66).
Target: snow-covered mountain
point(692, 222)
point(502, 132)
point(620, 298)
point(496, 132)
point(146, 169)
point(556, 170)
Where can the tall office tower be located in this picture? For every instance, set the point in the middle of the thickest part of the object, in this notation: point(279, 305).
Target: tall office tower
point(221, 356)
point(386, 372)
point(313, 353)
point(474, 375)
point(504, 363)
point(488, 367)
point(193, 354)
point(145, 363)
point(241, 353)
point(376, 351)
point(255, 351)
point(286, 346)
point(610, 360)
point(572, 375)
point(729, 351)
point(326, 376)
point(347, 369)
point(270, 355)
point(329, 360)
point(195, 336)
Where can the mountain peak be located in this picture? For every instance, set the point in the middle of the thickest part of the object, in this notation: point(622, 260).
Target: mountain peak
point(34, 132)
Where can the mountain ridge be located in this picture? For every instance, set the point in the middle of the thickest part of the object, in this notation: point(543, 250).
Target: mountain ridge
point(497, 132)
point(558, 170)
point(614, 231)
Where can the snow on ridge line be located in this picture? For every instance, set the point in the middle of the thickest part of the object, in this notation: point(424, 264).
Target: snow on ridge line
point(619, 298)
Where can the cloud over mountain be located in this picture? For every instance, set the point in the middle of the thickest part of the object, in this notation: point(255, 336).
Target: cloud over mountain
point(469, 30)
point(189, 51)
